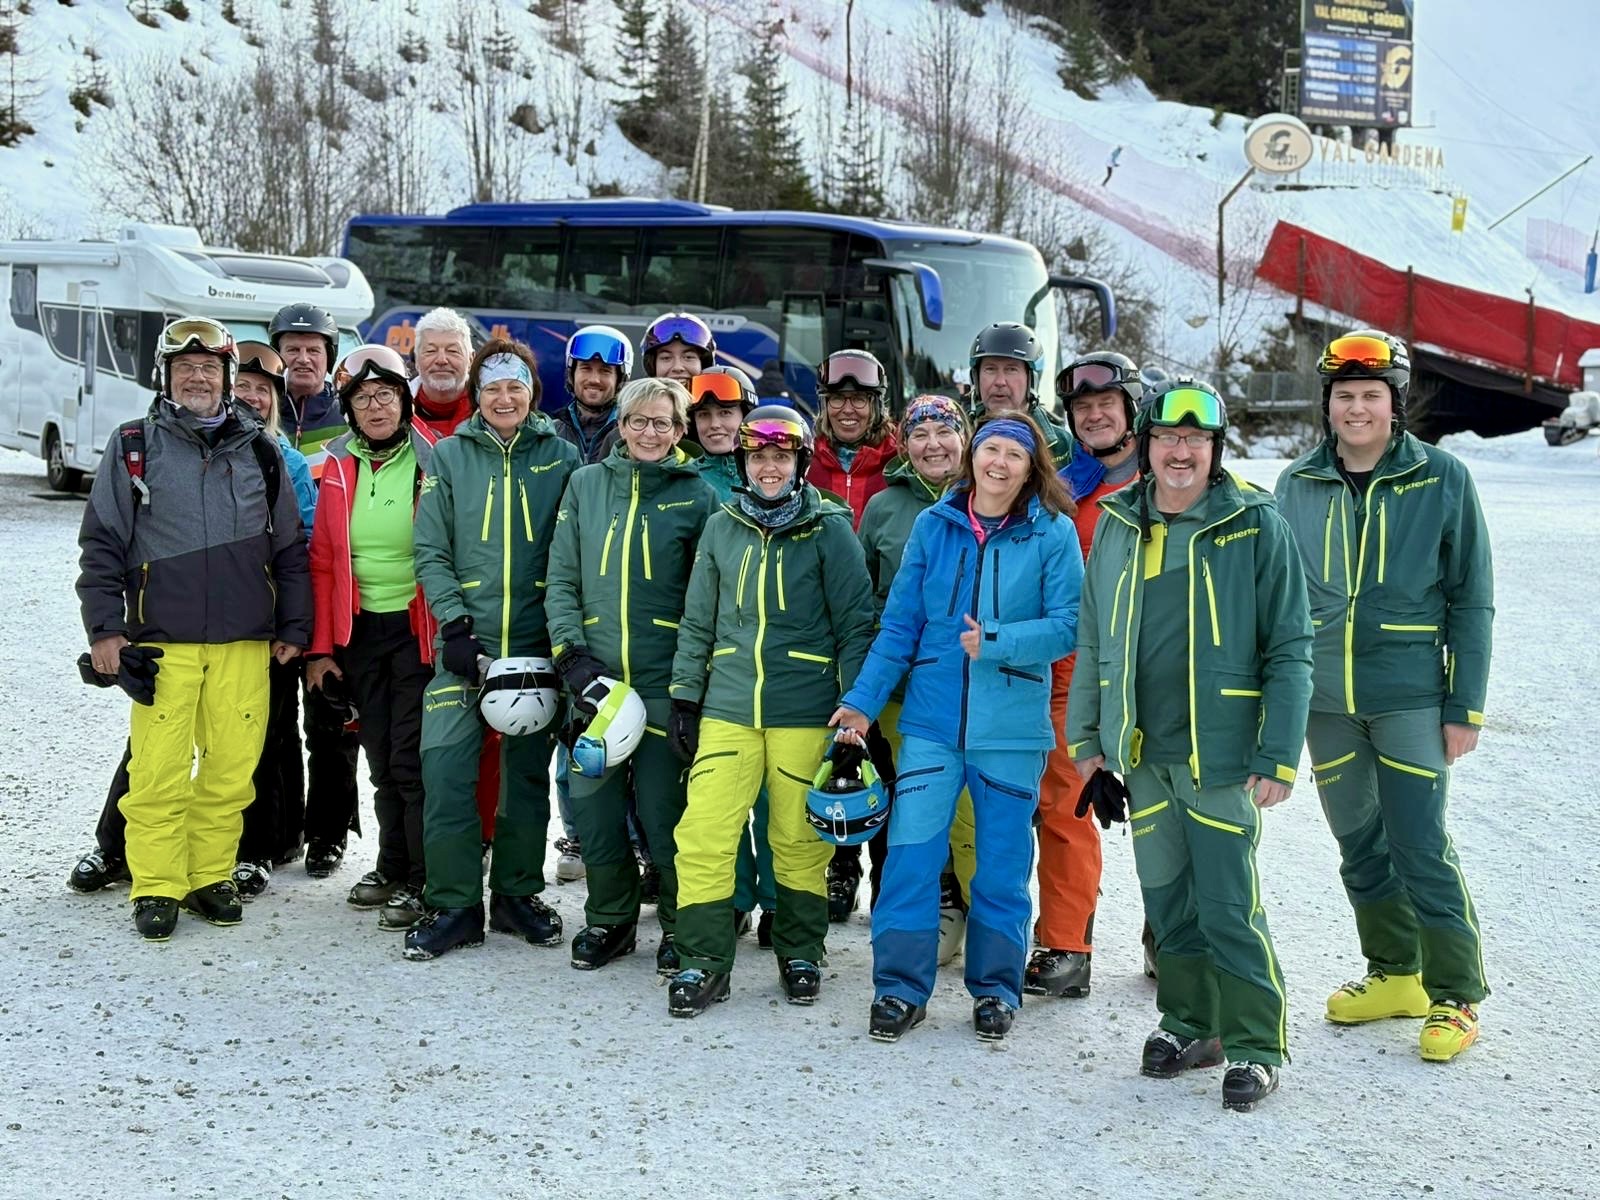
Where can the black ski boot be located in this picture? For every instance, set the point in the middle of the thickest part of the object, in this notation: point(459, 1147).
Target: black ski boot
point(992, 1018)
point(526, 917)
point(155, 917)
point(372, 890)
point(741, 923)
point(1148, 938)
point(692, 991)
point(892, 1016)
point(323, 859)
point(404, 910)
point(251, 879)
point(1168, 1055)
point(649, 884)
point(764, 930)
point(441, 930)
point(1057, 973)
point(842, 887)
point(217, 903)
point(667, 955)
point(97, 870)
point(1247, 1084)
point(801, 980)
point(596, 945)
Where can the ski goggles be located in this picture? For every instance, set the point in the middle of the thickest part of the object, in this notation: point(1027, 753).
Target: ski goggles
point(589, 344)
point(851, 369)
point(369, 362)
point(716, 389)
point(260, 359)
point(196, 333)
point(691, 331)
point(1177, 405)
point(1078, 378)
point(1356, 349)
point(783, 432)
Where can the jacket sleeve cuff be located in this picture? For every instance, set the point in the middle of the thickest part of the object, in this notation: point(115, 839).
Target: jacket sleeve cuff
point(1089, 747)
point(1460, 714)
point(1267, 768)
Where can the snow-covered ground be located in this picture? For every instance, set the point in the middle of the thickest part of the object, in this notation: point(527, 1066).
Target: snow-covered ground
point(299, 1055)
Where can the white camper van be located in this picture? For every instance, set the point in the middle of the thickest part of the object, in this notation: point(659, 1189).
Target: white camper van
point(79, 322)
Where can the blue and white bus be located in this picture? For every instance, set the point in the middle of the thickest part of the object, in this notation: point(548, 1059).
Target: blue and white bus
point(782, 290)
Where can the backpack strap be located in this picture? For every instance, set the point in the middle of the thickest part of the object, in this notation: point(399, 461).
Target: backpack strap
point(130, 441)
point(270, 461)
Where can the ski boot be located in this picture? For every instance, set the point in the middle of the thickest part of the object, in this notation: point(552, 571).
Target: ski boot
point(97, 870)
point(1376, 997)
point(372, 890)
point(155, 917)
point(891, 1017)
point(1451, 1027)
point(1057, 973)
point(403, 911)
point(441, 930)
point(992, 1018)
point(649, 884)
point(251, 879)
point(1148, 938)
point(1168, 1055)
point(692, 991)
point(952, 920)
point(217, 903)
point(1247, 1084)
point(323, 858)
point(842, 886)
point(741, 923)
point(667, 955)
point(527, 917)
point(801, 980)
point(569, 860)
point(596, 945)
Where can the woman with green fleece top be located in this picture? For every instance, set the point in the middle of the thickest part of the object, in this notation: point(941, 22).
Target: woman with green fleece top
point(619, 566)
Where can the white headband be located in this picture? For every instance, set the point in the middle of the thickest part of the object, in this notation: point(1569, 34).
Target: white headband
point(504, 366)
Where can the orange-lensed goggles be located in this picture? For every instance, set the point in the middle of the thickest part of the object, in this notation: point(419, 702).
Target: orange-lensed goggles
point(1356, 349)
point(715, 389)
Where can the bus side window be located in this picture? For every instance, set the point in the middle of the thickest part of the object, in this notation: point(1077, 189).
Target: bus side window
point(679, 268)
point(394, 258)
point(463, 262)
point(598, 269)
point(762, 263)
point(529, 259)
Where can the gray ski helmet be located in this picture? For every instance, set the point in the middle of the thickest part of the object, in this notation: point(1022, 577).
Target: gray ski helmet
point(1008, 339)
point(302, 317)
point(1367, 354)
point(1099, 371)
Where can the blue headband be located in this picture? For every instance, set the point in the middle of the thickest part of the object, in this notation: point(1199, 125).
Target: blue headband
point(504, 366)
point(1008, 427)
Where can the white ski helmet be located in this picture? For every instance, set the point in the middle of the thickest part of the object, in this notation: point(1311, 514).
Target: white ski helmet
point(519, 695)
point(613, 733)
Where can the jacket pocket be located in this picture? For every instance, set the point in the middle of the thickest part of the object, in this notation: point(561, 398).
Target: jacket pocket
point(955, 586)
point(1014, 673)
point(823, 659)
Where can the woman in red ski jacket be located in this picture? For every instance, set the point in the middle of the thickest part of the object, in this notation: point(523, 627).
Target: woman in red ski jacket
point(855, 437)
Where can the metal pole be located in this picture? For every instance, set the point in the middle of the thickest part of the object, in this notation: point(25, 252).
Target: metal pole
point(1222, 264)
point(1587, 158)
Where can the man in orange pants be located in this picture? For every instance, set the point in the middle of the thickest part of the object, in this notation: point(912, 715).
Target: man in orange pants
point(1101, 392)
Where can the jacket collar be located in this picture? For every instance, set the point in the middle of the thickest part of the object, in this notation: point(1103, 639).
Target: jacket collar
point(900, 473)
point(534, 425)
point(1403, 453)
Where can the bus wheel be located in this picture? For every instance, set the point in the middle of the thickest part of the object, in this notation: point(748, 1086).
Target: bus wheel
point(62, 477)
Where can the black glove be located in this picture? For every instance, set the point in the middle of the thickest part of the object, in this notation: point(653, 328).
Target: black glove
point(92, 677)
point(137, 675)
point(683, 729)
point(578, 670)
point(459, 650)
point(1107, 795)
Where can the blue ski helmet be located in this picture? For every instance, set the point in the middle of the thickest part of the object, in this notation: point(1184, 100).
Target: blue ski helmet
point(847, 803)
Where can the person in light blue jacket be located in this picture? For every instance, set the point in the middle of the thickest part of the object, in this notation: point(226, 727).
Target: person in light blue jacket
point(986, 599)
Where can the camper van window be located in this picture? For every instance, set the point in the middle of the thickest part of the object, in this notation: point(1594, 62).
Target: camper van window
point(24, 290)
point(284, 272)
point(125, 332)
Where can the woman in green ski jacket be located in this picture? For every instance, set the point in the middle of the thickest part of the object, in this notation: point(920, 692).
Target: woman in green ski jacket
point(619, 566)
point(777, 621)
point(482, 536)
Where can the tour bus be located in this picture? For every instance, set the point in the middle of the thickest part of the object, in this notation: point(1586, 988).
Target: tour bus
point(781, 290)
point(79, 323)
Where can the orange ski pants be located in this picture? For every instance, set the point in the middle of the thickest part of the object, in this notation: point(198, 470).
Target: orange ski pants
point(1069, 846)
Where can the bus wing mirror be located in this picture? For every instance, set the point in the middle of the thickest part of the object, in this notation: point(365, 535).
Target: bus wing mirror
point(1081, 283)
point(930, 289)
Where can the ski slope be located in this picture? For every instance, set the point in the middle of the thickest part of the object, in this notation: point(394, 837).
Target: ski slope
point(298, 1055)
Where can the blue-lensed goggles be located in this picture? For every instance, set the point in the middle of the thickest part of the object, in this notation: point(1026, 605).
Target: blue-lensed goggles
point(589, 344)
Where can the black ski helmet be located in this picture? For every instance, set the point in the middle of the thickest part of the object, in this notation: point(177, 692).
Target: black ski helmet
point(302, 317)
point(1120, 372)
point(1008, 339)
point(775, 425)
point(1367, 354)
point(685, 328)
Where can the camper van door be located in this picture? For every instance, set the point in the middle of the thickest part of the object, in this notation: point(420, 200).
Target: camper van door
point(90, 439)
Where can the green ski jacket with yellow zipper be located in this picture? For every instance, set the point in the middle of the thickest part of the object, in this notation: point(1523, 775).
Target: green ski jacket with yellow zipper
point(483, 528)
point(1249, 638)
point(1400, 581)
point(777, 622)
point(619, 566)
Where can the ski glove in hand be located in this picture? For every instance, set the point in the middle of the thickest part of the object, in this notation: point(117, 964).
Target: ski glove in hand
point(683, 729)
point(459, 650)
point(578, 670)
point(1107, 795)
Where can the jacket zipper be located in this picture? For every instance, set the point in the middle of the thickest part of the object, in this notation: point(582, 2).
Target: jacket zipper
point(1211, 602)
point(1327, 540)
point(1194, 723)
point(505, 570)
point(761, 632)
point(488, 511)
point(644, 541)
point(627, 543)
point(1383, 535)
point(605, 551)
point(527, 522)
point(738, 592)
point(966, 659)
point(782, 606)
point(955, 588)
point(1354, 585)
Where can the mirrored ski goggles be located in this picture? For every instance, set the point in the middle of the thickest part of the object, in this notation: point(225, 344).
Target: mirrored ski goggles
point(367, 362)
point(1088, 377)
point(851, 368)
point(772, 431)
point(691, 331)
point(1177, 405)
point(716, 389)
point(589, 344)
point(1356, 349)
point(260, 358)
point(196, 333)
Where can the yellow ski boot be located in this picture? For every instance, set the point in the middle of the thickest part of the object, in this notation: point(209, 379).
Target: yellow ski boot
point(1451, 1027)
point(1376, 997)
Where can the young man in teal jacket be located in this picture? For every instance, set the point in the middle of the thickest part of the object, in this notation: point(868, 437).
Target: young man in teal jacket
point(1397, 563)
point(1194, 609)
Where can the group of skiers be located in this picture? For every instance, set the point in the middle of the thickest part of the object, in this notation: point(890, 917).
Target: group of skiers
point(1009, 627)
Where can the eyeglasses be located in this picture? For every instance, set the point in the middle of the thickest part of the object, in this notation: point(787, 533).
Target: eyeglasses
point(379, 396)
point(210, 368)
point(848, 400)
point(1191, 441)
point(1357, 349)
point(638, 423)
point(1199, 405)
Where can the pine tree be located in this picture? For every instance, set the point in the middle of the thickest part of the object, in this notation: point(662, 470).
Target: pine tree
point(1080, 55)
point(19, 86)
point(671, 120)
point(633, 65)
point(855, 175)
point(771, 166)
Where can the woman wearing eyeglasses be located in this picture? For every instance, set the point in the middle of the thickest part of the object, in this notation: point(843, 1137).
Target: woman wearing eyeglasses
point(373, 638)
point(777, 619)
point(619, 566)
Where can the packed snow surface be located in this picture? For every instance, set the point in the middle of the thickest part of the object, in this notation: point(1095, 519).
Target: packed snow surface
point(298, 1055)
